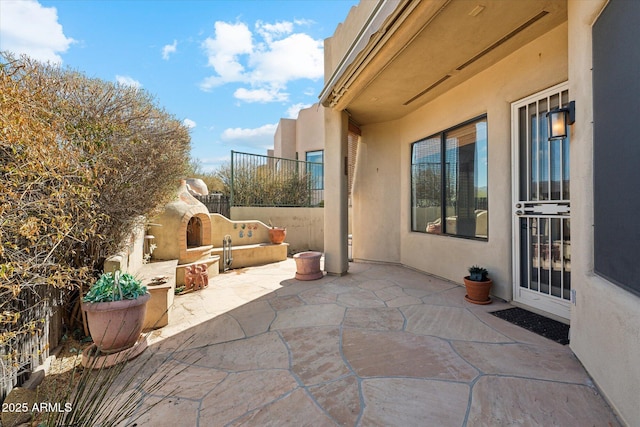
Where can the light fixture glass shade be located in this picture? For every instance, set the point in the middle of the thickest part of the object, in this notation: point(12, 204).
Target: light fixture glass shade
point(557, 123)
point(559, 120)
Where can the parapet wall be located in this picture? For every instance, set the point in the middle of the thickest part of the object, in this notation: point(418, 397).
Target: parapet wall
point(243, 232)
point(305, 226)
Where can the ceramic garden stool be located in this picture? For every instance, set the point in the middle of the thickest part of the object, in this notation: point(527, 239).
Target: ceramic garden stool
point(308, 265)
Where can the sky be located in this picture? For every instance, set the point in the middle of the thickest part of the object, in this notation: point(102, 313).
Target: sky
point(229, 70)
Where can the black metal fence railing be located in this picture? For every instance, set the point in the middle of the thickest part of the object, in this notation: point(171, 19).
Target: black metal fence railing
point(216, 203)
point(258, 180)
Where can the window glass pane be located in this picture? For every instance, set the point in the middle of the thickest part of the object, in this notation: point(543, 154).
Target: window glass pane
point(566, 178)
point(544, 160)
point(451, 167)
point(316, 171)
point(533, 152)
point(466, 180)
point(315, 156)
point(425, 185)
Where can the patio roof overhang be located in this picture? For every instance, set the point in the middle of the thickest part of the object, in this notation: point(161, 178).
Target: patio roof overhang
point(424, 48)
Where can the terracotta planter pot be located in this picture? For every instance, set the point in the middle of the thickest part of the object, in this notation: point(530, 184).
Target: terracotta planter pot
point(308, 265)
point(115, 326)
point(478, 292)
point(277, 235)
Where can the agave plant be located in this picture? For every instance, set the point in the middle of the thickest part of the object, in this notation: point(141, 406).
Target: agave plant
point(115, 287)
point(478, 274)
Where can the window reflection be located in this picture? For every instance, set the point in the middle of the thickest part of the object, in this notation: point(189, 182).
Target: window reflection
point(449, 180)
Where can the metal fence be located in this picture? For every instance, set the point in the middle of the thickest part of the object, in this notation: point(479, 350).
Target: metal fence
point(216, 203)
point(31, 335)
point(258, 180)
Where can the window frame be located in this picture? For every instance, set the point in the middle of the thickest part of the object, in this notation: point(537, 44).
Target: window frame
point(442, 137)
point(306, 158)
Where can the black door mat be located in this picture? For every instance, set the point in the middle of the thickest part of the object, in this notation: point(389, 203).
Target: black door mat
point(548, 328)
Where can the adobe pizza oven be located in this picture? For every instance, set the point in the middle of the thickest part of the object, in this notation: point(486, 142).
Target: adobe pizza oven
point(183, 230)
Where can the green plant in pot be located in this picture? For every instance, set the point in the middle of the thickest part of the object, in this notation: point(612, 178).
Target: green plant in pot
point(116, 305)
point(478, 285)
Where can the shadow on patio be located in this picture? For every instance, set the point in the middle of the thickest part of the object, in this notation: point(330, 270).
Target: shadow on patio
point(383, 345)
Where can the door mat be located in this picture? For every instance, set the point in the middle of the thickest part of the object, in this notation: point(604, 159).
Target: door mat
point(548, 328)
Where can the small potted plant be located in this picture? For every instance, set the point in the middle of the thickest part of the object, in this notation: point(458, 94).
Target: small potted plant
point(276, 234)
point(478, 285)
point(116, 305)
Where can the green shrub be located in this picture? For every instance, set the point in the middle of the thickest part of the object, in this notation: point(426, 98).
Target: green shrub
point(81, 160)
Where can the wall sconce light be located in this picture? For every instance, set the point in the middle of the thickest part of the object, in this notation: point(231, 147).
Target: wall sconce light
point(559, 119)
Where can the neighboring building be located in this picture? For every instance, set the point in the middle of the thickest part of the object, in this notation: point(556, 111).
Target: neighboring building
point(303, 139)
point(455, 167)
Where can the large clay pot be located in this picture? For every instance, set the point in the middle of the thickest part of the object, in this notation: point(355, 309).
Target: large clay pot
point(308, 265)
point(478, 292)
point(277, 235)
point(115, 326)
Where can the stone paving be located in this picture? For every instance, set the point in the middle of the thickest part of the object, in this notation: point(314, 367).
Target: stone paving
point(381, 346)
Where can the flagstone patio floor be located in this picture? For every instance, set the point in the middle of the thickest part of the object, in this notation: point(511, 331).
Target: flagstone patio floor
point(381, 346)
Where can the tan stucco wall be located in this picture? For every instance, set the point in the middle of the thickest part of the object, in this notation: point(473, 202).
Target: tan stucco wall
point(336, 193)
point(384, 168)
point(131, 258)
point(605, 322)
point(299, 135)
point(305, 226)
point(284, 140)
point(336, 46)
point(376, 199)
point(309, 130)
point(248, 231)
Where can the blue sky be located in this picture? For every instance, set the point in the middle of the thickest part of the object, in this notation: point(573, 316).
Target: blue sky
point(228, 69)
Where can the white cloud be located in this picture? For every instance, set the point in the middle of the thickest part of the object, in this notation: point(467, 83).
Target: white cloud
point(260, 95)
point(264, 62)
point(211, 164)
point(261, 137)
point(128, 81)
point(223, 51)
point(189, 123)
point(169, 49)
point(292, 111)
point(296, 57)
point(269, 31)
point(26, 27)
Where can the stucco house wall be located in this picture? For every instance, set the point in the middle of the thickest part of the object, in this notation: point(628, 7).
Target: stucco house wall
point(605, 321)
point(376, 200)
point(336, 47)
point(383, 191)
point(309, 130)
point(305, 226)
point(285, 139)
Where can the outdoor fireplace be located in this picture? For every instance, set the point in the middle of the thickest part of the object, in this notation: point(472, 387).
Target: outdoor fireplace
point(183, 231)
point(194, 232)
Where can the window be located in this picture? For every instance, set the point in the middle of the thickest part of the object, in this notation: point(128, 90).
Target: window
point(615, 145)
point(449, 182)
point(316, 171)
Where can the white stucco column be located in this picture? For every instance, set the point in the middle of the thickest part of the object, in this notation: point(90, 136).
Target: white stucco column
point(336, 127)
